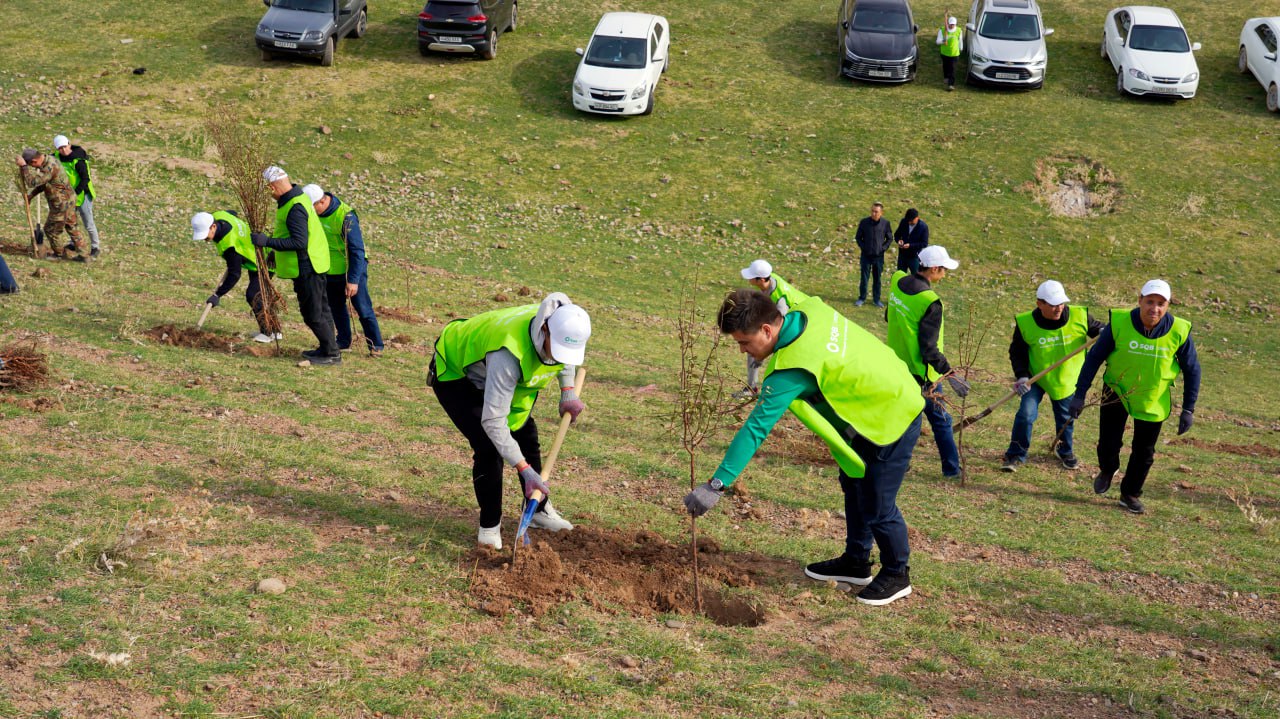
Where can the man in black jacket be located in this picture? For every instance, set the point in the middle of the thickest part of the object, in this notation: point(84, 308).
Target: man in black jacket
point(874, 236)
point(912, 236)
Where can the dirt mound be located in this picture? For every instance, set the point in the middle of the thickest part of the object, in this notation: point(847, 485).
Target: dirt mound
point(1240, 450)
point(637, 573)
point(11, 248)
point(1074, 186)
point(393, 313)
point(176, 336)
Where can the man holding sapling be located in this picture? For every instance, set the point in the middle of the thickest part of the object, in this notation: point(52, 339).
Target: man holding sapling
point(854, 393)
point(231, 236)
point(1145, 349)
point(760, 274)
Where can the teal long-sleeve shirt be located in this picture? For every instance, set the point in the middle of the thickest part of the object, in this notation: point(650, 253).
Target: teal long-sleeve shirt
point(778, 391)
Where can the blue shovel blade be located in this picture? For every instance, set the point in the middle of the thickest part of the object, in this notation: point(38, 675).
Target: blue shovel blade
point(522, 532)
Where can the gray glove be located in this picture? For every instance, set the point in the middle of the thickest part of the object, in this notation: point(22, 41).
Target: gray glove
point(702, 499)
point(531, 480)
point(1022, 386)
point(1185, 421)
point(571, 405)
point(959, 385)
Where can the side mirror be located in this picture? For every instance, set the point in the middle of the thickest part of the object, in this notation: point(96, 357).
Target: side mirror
point(970, 27)
point(915, 28)
point(845, 24)
point(1270, 56)
point(578, 50)
point(266, 2)
point(1195, 47)
point(1048, 31)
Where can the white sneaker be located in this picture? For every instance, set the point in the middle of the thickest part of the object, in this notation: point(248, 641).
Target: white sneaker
point(550, 520)
point(491, 536)
point(262, 337)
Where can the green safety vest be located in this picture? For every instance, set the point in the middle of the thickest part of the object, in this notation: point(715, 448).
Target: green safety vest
point(1140, 369)
point(1048, 346)
point(905, 312)
point(951, 42)
point(858, 375)
point(317, 245)
point(783, 290)
point(332, 224)
point(238, 238)
point(467, 341)
point(70, 167)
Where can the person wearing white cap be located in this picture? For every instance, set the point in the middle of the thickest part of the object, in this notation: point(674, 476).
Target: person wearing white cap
point(1145, 349)
point(348, 276)
point(76, 162)
point(950, 43)
point(231, 237)
point(302, 255)
point(760, 274)
point(487, 372)
point(1041, 337)
point(916, 336)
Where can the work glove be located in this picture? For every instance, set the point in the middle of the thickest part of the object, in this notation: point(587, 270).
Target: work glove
point(959, 385)
point(1077, 406)
point(213, 300)
point(531, 480)
point(1185, 421)
point(570, 404)
point(702, 498)
point(1022, 386)
point(259, 239)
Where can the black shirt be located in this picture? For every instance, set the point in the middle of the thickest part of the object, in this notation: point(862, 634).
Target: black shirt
point(1020, 353)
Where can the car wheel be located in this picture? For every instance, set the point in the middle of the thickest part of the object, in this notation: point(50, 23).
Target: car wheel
point(423, 49)
point(1105, 54)
point(648, 108)
point(326, 59)
point(1243, 62)
point(491, 50)
point(267, 56)
point(515, 16)
point(1120, 82)
point(1273, 98)
point(362, 24)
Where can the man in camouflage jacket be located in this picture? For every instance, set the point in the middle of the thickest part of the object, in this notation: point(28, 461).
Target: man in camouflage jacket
point(42, 174)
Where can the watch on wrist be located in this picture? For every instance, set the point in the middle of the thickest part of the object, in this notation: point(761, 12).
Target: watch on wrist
point(716, 484)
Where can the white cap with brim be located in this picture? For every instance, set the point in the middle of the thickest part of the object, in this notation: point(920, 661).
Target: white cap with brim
point(569, 328)
point(200, 224)
point(1053, 292)
point(951, 21)
point(60, 141)
point(313, 193)
point(758, 270)
point(936, 256)
point(1157, 287)
point(273, 174)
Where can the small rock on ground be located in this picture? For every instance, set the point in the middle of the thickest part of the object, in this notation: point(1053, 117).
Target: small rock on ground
point(271, 585)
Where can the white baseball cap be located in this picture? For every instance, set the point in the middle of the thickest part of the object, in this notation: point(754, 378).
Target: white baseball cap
point(60, 141)
point(936, 256)
point(569, 328)
point(951, 21)
point(200, 224)
point(313, 193)
point(1157, 287)
point(273, 173)
point(1052, 291)
point(758, 270)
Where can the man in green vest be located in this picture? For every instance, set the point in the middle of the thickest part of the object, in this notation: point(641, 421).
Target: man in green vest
point(850, 389)
point(1144, 349)
point(302, 255)
point(348, 277)
point(950, 43)
point(1042, 337)
point(916, 334)
point(760, 274)
point(487, 372)
point(231, 237)
point(76, 162)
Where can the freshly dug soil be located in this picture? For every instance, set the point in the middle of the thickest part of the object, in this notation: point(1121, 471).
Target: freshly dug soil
point(637, 573)
point(176, 336)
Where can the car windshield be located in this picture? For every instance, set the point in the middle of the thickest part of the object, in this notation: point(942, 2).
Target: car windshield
point(622, 52)
point(1158, 38)
point(876, 19)
point(308, 5)
point(1009, 26)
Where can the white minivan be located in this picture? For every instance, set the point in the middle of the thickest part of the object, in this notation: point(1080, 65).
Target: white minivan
point(621, 66)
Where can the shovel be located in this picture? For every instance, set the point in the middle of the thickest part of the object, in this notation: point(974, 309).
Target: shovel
point(536, 497)
point(37, 232)
point(970, 420)
point(208, 306)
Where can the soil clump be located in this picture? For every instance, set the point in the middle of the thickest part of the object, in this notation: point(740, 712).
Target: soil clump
point(176, 336)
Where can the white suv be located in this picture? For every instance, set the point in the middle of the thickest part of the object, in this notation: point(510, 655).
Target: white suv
point(1005, 40)
point(620, 69)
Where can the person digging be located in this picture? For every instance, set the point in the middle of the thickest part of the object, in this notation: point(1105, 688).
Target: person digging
point(231, 237)
point(40, 174)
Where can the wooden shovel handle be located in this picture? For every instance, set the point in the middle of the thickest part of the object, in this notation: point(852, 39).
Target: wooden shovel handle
point(970, 420)
point(565, 419)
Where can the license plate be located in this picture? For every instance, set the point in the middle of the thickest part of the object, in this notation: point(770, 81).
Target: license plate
point(450, 38)
point(879, 73)
point(1170, 90)
point(1006, 76)
point(605, 106)
point(280, 43)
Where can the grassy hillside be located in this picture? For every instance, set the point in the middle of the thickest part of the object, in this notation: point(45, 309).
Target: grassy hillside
point(146, 490)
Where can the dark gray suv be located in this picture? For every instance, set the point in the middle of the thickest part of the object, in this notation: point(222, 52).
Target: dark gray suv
point(465, 26)
point(310, 28)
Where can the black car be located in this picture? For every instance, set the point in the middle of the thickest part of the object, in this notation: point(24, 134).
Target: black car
point(878, 41)
point(465, 26)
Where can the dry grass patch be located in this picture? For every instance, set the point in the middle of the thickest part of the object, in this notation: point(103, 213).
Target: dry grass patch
point(1074, 186)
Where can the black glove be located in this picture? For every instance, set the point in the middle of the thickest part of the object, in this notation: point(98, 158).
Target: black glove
point(213, 300)
point(702, 498)
point(1077, 406)
point(958, 384)
point(1185, 421)
point(259, 239)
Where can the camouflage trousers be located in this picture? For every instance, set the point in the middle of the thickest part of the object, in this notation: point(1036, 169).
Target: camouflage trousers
point(62, 216)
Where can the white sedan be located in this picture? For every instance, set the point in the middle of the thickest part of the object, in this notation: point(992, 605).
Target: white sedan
point(621, 66)
point(1149, 50)
point(1258, 55)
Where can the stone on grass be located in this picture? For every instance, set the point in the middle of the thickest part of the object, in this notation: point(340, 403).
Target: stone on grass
point(270, 585)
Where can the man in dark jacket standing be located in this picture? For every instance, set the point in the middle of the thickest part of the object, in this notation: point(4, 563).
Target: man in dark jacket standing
point(912, 236)
point(874, 236)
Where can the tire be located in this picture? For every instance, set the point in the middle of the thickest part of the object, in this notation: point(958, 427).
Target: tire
point(423, 50)
point(326, 60)
point(1120, 83)
point(666, 62)
point(267, 56)
point(362, 24)
point(648, 108)
point(1273, 98)
point(1243, 62)
point(491, 51)
point(515, 17)
point(1105, 55)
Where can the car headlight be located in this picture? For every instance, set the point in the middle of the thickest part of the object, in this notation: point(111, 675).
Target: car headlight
point(978, 58)
point(1192, 77)
point(639, 91)
point(312, 35)
point(263, 29)
point(1138, 74)
point(1038, 63)
point(577, 88)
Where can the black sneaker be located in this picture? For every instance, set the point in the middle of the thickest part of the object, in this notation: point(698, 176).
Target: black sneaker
point(326, 360)
point(886, 588)
point(95, 252)
point(1011, 464)
point(1102, 482)
point(312, 354)
point(68, 248)
point(1069, 461)
point(1133, 504)
point(840, 569)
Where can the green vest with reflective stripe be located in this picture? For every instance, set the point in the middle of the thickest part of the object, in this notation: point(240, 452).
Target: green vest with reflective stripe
point(905, 312)
point(238, 238)
point(951, 42)
point(1044, 347)
point(332, 223)
point(783, 290)
point(858, 375)
point(1140, 369)
point(70, 167)
point(465, 342)
point(317, 246)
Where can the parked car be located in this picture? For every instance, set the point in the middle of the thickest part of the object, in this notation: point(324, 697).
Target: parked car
point(878, 40)
point(1258, 55)
point(310, 28)
point(621, 66)
point(1006, 45)
point(1149, 50)
point(466, 26)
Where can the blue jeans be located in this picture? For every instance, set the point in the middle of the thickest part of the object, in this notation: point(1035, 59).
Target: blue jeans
point(8, 285)
point(337, 291)
point(871, 502)
point(870, 266)
point(1020, 440)
point(86, 218)
point(940, 421)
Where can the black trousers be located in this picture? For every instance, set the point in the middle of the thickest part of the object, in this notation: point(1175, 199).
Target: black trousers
point(313, 304)
point(463, 401)
point(949, 70)
point(1112, 417)
point(253, 295)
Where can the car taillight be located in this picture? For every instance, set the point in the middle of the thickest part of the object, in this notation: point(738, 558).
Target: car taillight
point(478, 18)
point(424, 16)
